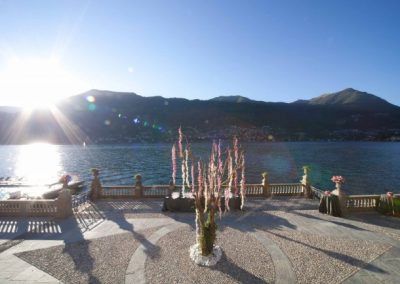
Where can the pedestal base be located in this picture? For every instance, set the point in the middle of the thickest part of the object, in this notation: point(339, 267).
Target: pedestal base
point(209, 260)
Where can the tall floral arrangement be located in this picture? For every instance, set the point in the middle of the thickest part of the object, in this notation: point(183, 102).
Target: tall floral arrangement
point(211, 182)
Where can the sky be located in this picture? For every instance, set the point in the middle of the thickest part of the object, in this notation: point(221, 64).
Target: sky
point(264, 50)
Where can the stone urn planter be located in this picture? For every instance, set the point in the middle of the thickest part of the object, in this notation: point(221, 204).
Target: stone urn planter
point(342, 196)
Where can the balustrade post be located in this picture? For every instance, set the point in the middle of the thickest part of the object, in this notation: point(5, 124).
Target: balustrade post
point(342, 198)
point(306, 182)
point(96, 189)
point(64, 204)
point(265, 184)
point(138, 186)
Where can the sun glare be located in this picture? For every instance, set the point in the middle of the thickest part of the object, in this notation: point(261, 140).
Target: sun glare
point(36, 83)
point(38, 163)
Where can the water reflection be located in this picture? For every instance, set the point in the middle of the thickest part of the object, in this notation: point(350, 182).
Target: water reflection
point(38, 163)
point(368, 167)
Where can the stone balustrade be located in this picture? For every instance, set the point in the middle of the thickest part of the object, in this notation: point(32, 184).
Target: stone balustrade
point(362, 202)
point(63, 205)
point(133, 191)
point(264, 189)
point(60, 207)
point(159, 191)
point(254, 190)
point(287, 189)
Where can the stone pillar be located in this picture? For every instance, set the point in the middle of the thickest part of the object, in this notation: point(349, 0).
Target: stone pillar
point(64, 204)
point(96, 189)
point(265, 184)
point(138, 186)
point(306, 182)
point(342, 198)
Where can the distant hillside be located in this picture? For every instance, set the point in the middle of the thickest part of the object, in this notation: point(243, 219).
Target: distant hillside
point(350, 98)
point(232, 99)
point(112, 117)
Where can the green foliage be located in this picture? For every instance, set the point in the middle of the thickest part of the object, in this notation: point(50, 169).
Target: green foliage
point(208, 235)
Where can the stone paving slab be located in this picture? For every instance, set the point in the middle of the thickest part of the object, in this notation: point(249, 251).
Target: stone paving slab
point(118, 217)
point(385, 269)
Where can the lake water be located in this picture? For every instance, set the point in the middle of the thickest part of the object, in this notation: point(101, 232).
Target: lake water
point(367, 167)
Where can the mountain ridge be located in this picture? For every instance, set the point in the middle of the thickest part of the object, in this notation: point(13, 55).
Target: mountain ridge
point(350, 98)
point(122, 117)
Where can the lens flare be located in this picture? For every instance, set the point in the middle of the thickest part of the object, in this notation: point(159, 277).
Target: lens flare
point(91, 99)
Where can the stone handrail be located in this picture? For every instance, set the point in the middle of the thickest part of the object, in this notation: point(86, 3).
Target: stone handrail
point(362, 202)
point(155, 190)
point(254, 190)
point(118, 191)
point(158, 191)
point(132, 191)
point(316, 192)
point(79, 199)
point(286, 188)
point(32, 208)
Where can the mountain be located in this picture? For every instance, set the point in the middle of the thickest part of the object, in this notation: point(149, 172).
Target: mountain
point(100, 116)
point(232, 99)
point(351, 99)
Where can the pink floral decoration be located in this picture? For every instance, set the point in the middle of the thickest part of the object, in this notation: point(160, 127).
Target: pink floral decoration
point(243, 180)
point(192, 174)
point(337, 179)
point(173, 157)
point(65, 179)
point(180, 143)
point(200, 178)
point(220, 167)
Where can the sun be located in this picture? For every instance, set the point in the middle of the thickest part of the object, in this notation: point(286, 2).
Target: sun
point(36, 83)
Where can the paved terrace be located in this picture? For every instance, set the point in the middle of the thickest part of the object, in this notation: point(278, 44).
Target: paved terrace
point(279, 240)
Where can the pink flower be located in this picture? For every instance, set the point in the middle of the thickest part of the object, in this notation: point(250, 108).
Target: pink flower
point(192, 173)
point(236, 150)
point(338, 179)
point(243, 180)
point(200, 179)
point(180, 143)
point(220, 171)
point(220, 164)
point(65, 179)
point(173, 157)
